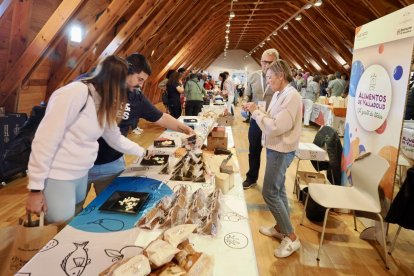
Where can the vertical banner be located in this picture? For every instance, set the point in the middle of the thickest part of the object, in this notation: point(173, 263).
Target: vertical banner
point(380, 72)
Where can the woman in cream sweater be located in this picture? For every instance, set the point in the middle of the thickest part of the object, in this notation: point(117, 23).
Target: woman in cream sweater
point(65, 145)
point(281, 127)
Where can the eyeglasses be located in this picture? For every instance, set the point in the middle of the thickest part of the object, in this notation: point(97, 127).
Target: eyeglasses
point(266, 61)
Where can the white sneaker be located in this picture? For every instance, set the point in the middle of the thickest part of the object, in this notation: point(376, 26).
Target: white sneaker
point(287, 247)
point(270, 232)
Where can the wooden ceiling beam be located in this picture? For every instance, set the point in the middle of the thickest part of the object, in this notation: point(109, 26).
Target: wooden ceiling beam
point(38, 46)
point(170, 30)
point(374, 8)
point(177, 43)
point(100, 28)
point(185, 29)
point(139, 41)
point(19, 31)
point(126, 32)
point(296, 50)
point(337, 5)
point(5, 5)
point(324, 35)
point(305, 48)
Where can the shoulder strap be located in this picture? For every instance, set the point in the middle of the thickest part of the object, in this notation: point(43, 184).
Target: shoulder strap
point(87, 98)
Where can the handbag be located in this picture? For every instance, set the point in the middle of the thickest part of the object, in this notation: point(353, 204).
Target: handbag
point(23, 241)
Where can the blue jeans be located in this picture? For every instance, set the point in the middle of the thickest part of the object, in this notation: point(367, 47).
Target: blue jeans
point(63, 198)
point(255, 150)
point(103, 175)
point(274, 191)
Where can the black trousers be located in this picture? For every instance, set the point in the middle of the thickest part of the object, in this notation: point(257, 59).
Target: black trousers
point(255, 150)
point(192, 108)
point(175, 109)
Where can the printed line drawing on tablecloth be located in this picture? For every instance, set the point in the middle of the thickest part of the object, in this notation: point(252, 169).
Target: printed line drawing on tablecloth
point(112, 225)
point(75, 262)
point(51, 244)
point(231, 216)
point(236, 240)
point(126, 251)
point(87, 210)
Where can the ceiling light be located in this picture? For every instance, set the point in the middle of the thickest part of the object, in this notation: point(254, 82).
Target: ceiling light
point(76, 34)
point(261, 45)
point(298, 17)
point(324, 61)
point(268, 39)
point(227, 31)
point(285, 27)
point(228, 24)
point(275, 33)
point(307, 6)
point(318, 3)
point(232, 14)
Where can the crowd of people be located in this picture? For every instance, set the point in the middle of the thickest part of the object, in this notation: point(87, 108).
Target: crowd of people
point(82, 138)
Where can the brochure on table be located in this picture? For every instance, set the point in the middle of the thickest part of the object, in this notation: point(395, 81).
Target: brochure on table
point(378, 88)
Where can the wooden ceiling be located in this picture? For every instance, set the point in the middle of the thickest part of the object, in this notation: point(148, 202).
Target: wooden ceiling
point(36, 56)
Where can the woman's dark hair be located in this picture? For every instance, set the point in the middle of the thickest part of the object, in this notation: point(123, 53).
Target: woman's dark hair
point(137, 63)
point(316, 78)
point(174, 78)
point(224, 77)
point(109, 80)
point(193, 76)
point(169, 73)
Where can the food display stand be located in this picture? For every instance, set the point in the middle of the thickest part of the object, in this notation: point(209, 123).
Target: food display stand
point(327, 115)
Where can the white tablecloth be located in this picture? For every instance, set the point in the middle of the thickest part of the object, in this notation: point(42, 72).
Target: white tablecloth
point(324, 116)
point(407, 141)
point(86, 251)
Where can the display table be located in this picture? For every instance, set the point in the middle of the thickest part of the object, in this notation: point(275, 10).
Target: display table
point(327, 115)
point(95, 239)
point(407, 140)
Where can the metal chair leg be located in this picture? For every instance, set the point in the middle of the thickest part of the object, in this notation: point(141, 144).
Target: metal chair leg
point(384, 241)
point(323, 232)
point(355, 225)
point(394, 241)
point(304, 208)
point(295, 189)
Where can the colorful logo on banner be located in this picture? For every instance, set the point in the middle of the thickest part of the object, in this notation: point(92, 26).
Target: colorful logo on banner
point(373, 98)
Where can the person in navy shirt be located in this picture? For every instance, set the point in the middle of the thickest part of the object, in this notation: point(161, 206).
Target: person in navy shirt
point(110, 163)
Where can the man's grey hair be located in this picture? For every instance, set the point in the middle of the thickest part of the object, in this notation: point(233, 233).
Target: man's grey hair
point(271, 52)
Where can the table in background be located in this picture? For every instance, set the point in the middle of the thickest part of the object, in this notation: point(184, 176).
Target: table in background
point(327, 115)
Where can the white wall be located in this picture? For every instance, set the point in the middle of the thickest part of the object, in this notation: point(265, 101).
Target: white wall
point(234, 62)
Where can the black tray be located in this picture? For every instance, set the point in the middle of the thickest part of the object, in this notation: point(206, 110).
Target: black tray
point(159, 143)
point(112, 203)
point(152, 161)
point(190, 120)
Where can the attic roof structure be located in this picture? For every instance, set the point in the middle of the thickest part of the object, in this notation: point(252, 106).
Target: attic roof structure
point(37, 55)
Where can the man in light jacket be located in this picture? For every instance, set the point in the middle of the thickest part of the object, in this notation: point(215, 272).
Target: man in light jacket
point(258, 92)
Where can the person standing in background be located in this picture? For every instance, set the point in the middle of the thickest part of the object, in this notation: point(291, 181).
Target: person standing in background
point(281, 125)
point(194, 94)
point(257, 91)
point(175, 89)
point(110, 163)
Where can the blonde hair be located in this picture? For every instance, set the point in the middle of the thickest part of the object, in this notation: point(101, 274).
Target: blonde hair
point(281, 66)
point(109, 80)
point(271, 52)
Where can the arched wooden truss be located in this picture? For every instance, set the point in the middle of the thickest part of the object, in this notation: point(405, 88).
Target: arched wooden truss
point(36, 56)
